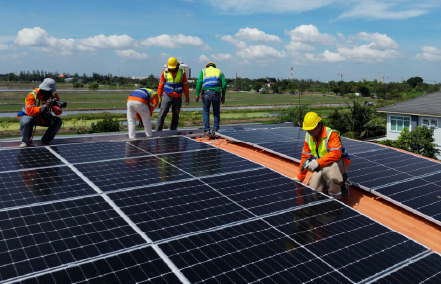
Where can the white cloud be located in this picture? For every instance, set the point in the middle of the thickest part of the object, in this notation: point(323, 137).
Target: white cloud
point(260, 52)
point(430, 53)
point(203, 58)
point(6, 47)
point(257, 35)
point(367, 54)
point(175, 41)
point(234, 41)
point(309, 34)
point(222, 57)
point(327, 56)
point(380, 41)
point(294, 45)
point(370, 9)
point(39, 39)
point(386, 10)
point(131, 54)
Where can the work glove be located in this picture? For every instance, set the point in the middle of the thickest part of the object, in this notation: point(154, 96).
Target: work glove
point(312, 165)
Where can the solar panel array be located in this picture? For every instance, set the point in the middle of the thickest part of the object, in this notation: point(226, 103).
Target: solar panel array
point(407, 180)
point(170, 210)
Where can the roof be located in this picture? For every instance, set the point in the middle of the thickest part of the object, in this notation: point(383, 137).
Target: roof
point(429, 104)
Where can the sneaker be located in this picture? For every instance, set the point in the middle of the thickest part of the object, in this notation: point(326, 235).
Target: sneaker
point(207, 133)
point(215, 130)
point(23, 144)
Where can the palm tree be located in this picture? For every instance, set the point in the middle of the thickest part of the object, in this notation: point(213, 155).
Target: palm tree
point(363, 121)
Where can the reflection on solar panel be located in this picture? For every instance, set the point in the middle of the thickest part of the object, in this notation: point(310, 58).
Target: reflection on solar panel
point(393, 174)
point(138, 266)
point(164, 211)
point(424, 270)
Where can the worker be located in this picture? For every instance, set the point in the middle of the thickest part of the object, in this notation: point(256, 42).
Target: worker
point(212, 81)
point(38, 108)
point(173, 82)
point(329, 160)
point(141, 104)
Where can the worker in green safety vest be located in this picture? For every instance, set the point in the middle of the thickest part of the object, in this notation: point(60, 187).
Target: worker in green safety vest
point(211, 83)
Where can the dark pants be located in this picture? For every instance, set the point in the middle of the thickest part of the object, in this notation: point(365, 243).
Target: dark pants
point(27, 124)
point(211, 98)
point(166, 103)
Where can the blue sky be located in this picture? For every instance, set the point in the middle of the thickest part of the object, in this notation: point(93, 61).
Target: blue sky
point(319, 38)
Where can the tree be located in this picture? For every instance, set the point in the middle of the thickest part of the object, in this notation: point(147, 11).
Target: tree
point(303, 86)
point(364, 91)
point(94, 85)
point(336, 90)
point(337, 122)
point(275, 88)
point(413, 82)
point(257, 85)
point(363, 122)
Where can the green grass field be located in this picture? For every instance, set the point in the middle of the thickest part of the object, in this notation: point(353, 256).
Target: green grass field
point(108, 100)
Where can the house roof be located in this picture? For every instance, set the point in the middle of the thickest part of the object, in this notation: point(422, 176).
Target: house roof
point(429, 104)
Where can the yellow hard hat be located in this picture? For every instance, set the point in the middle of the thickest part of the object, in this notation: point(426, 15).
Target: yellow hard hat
point(311, 121)
point(210, 63)
point(172, 63)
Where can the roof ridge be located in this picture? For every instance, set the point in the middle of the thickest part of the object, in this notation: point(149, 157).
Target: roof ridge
point(410, 100)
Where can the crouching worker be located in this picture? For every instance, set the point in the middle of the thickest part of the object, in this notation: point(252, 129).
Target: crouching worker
point(140, 105)
point(323, 150)
point(39, 105)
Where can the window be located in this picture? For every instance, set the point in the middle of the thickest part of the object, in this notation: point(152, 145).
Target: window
point(397, 123)
point(430, 122)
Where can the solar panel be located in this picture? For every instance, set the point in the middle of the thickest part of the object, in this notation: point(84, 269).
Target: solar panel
point(327, 242)
point(39, 237)
point(105, 217)
point(424, 270)
point(263, 191)
point(138, 266)
point(27, 158)
point(40, 185)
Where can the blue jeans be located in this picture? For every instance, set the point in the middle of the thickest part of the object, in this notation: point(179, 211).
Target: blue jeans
point(27, 124)
point(211, 98)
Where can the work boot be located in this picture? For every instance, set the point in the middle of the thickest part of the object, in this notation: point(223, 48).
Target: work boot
point(207, 133)
point(23, 144)
point(215, 130)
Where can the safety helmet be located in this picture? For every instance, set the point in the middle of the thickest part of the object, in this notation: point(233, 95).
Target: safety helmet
point(311, 121)
point(210, 63)
point(172, 63)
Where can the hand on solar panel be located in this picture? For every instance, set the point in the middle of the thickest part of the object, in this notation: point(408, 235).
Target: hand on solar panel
point(312, 165)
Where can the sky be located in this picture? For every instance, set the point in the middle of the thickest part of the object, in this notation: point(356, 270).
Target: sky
point(317, 38)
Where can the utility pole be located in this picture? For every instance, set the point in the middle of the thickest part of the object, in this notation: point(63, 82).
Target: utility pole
point(291, 73)
point(341, 76)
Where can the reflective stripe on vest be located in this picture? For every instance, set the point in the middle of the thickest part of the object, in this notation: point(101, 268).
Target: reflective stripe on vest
point(173, 84)
point(38, 102)
point(143, 93)
point(211, 77)
point(323, 147)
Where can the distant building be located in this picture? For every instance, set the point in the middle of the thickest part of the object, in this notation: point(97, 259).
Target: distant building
point(61, 75)
point(68, 80)
point(269, 84)
point(139, 78)
point(184, 66)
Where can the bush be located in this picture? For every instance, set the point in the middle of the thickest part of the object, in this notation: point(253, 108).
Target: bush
point(419, 141)
point(78, 85)
point(337, 122)
point(106, 125)
point(292, 114)
point(94, 85)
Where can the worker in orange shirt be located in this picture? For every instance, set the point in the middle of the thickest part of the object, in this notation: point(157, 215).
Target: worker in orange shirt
point(173, 83)
point(329, 161)
point(39, 105)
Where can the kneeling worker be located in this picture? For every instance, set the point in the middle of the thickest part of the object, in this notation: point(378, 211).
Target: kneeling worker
point(141, 104)
point(323, 146)
point(38, 108)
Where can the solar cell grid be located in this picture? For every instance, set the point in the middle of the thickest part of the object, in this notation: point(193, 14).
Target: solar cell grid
point(208, 163)
point(263, 191)
point(89, 152)
point(26, 158)
point(46, 236)
point(131, 172)
point(247, 253)
point(164, 145)
point(424, 270)
point(177, 208)
point(353, 244)
point(138, 266)
point(40, 185)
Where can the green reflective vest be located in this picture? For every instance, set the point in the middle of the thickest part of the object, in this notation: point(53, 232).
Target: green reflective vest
point(323, 147)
